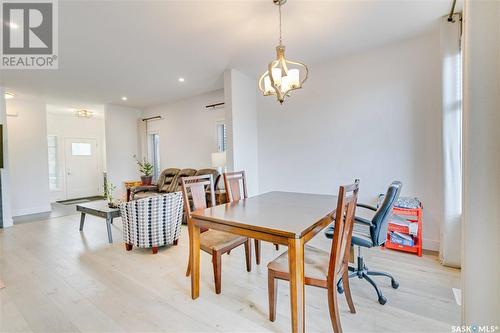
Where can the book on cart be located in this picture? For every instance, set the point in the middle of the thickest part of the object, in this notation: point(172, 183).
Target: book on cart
point(401, 238)
point(400, 224)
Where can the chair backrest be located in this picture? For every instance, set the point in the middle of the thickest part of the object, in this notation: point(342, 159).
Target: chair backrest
point(176, 183)
point(344, 221)
point(166, 178)
point(232, 182)
point(380, 220)
point(195, 187)
point(215, 174)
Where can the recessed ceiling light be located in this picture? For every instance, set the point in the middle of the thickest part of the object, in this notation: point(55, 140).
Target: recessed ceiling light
point(9, 95)
point(124, 98)
point(181, 79)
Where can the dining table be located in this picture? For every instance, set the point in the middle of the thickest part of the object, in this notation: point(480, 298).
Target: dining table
point(287, 218)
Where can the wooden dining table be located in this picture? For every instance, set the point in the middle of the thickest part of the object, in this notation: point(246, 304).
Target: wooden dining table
point(286, 218)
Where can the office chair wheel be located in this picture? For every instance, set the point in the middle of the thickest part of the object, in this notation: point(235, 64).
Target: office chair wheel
point(394, 284)
point(382, 300)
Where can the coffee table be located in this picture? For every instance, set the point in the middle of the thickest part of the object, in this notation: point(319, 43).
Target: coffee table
point(99, 209)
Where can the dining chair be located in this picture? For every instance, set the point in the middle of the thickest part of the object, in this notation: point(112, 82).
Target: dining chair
point(213, 242)
point(234, 182)
point(322, 268)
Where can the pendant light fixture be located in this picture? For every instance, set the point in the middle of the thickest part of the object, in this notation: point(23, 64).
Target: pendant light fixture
point(282, 75)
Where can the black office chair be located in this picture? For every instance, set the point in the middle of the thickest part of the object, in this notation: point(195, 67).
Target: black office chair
point(369, 234)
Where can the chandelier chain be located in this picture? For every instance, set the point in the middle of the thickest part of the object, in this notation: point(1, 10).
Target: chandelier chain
point(279, 9)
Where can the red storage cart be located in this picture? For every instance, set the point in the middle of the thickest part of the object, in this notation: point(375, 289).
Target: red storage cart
point(412, 215)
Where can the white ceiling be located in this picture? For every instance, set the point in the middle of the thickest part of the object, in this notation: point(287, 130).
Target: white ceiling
point(139, 49)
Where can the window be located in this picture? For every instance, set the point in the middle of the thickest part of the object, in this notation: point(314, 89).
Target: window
point(221, 136)
point(154, 154)
point(53, 163)
point(81, 149)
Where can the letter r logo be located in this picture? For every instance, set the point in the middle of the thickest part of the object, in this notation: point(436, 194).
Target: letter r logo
point(28, 28)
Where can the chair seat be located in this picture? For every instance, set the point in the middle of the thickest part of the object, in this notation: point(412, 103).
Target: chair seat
point(315, 263)
point(217, 240)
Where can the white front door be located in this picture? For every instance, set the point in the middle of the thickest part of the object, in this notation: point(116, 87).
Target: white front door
point(82, 168)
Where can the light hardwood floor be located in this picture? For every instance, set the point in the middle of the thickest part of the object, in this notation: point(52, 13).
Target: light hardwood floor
point(60, 280)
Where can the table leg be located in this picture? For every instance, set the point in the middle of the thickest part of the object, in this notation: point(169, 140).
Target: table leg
point(82, 221)
point(108, 226)
point(194, 232)
point(296, 266)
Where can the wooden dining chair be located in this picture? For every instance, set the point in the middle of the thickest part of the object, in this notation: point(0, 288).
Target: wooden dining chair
point(232, 181)
point(321, 268)
point(213, 242)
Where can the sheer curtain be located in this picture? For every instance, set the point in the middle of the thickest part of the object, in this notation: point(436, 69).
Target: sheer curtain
point(451, 58)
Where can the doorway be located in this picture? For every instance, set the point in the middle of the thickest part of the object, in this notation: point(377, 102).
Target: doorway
point(76, 153)
point(82, 168)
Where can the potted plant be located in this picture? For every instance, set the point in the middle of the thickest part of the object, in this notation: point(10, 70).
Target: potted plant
point(108, 194)
point(146, 169)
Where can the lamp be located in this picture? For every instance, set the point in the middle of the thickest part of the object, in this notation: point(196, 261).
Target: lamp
point(282, 75)
point(219, 161)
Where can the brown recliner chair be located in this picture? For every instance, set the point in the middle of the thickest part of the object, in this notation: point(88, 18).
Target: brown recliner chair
point(168, 177)
point(170, 181)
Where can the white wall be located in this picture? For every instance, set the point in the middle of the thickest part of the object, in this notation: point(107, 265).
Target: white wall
point(187, 130)
point(481, 223)
point(28, 157)
point(121, 145)
point(374, 116)
point(68, 126)
point(4, 172)
point(242, 135)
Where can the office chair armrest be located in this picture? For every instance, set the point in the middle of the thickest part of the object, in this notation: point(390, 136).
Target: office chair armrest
point(362, 221)
point(366, 206)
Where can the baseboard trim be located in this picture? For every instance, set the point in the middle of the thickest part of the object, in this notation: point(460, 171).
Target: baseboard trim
point(31, 210)
point(430, 244)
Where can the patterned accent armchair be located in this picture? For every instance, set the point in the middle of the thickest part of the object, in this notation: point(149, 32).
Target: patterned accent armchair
point(152, 222)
